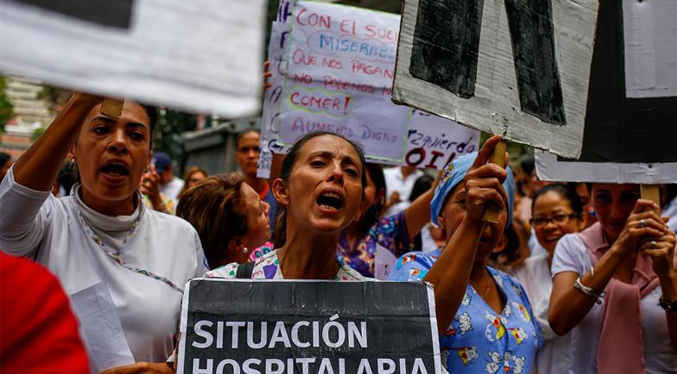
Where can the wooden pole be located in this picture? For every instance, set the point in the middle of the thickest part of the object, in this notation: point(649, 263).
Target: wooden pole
point(498, 158)
point(651, 192)
point(112, 107)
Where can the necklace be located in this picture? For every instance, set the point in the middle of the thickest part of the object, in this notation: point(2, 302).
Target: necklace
point(116, 255)
point(486, 290)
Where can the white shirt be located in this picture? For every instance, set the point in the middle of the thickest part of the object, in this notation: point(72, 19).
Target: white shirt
point(50, 230)
point(396, 182)
point(535, 248)
point(267, 267)
point(173, 188)
point(534, 275)
point(571, 254)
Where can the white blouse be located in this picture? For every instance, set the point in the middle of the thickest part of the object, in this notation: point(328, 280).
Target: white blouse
point(126, 315)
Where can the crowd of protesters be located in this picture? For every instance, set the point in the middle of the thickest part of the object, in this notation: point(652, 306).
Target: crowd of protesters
point(572, 278)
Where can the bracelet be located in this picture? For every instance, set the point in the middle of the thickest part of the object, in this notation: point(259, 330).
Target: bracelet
point(588, 291)
point(668, 305)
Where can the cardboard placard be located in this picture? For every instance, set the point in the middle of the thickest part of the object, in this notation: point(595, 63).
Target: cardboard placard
point(518, 68)
point(627, 139)
point(199, 56)
point(276, 327)
point(430, 141)
point(650, 34)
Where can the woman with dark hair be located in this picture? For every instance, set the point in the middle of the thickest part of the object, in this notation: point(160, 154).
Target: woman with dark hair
point(557, 211)
point(615, 287)
point(320, 189)
point(229, 216)
point(483, 315)
point(358, 243)
point(193, 176)
point(123, 266)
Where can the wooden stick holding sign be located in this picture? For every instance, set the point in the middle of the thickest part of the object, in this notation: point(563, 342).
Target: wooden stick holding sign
point(112, 107)
point(498, 158)
point(651, 192)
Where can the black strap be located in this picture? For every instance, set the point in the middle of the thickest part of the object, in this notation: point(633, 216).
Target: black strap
point(244, 271)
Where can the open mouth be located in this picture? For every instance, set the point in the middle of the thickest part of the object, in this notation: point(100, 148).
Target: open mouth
point(330, 201)
point(115, 170)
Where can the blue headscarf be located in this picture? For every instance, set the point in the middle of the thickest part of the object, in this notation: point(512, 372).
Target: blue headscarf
point(454, 174)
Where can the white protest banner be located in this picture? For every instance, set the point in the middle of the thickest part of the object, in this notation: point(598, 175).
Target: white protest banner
point(650, 35)
point(627, 139)
point(551, 168)
point(340, 65)
point(277, 58)
point(518, 68)
point(200, 56)
point(434, 141)
point(384, 262)
point(430, 141)
point(309, 327)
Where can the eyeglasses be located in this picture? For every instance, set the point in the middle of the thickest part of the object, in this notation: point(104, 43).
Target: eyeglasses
point(558, 219)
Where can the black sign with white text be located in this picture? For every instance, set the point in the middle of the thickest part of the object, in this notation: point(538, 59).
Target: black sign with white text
point(308, 327)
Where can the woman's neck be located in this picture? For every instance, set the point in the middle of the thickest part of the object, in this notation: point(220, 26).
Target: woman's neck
point(352, 234)
point(109, 208)
point(479, 273)
point(305, 256)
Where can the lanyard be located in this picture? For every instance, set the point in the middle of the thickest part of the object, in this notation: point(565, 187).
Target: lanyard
point(116, 255)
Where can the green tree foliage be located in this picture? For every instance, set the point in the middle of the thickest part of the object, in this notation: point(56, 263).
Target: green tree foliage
point(168, 128)
point(6, 107)
point(37, 133)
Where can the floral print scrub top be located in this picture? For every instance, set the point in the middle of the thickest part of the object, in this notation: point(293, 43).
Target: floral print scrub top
point(479, 340)
point(268, 267)
point(389, 232)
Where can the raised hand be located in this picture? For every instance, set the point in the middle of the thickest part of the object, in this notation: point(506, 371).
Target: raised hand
point(484, 182)
point(644, 223)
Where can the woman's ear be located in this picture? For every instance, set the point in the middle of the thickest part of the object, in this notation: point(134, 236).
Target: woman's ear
point(280, 192)
point(235, 245)
point(361, 211)
point(442, 221)
point(501, 244)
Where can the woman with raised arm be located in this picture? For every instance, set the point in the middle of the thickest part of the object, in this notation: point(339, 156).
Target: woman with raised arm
point(123, 266)
point(483, 315)
point(358, 244)
point(615, 287)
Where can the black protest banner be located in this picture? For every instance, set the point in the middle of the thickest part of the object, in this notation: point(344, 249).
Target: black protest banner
point(617, 128)
point(112, 13)
point(626, 140)
point(518, 68)
point(307, 327)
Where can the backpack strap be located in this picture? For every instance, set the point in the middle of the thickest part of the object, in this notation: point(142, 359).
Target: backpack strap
point(244, 271)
